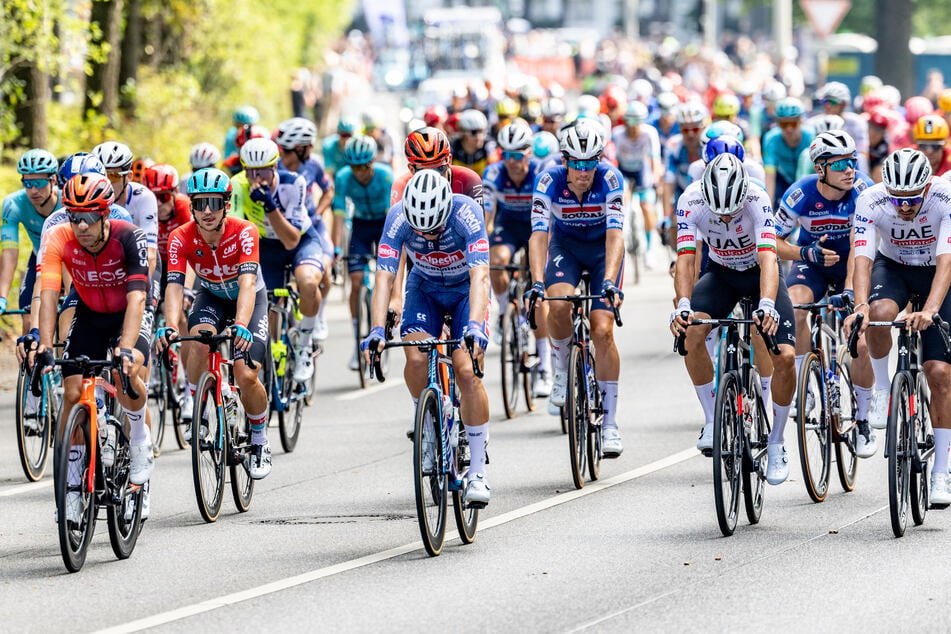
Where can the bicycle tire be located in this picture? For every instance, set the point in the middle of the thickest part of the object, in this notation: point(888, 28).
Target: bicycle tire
point(364, 318)
point(924, 439)
point(846, 462)
point(576, 406)
point(157, 401)
point(289, 417)
point(74, 540)
point(123, 534)
point(511, 360)
point(897, 445)
point(33, 444)
point(814, 428)
point(431, 486)
point(527, 348)
point(209, 452)
point(754, 476)
point(727, 454)
point(594, 427)
point(242, 486)
point(290, 423)
point(467, 519)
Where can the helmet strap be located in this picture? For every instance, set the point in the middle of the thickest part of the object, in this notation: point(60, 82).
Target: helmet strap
point(822, 179)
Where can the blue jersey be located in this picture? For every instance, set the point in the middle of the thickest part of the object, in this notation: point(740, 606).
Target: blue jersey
point(678, 165)
point(18, 210)
point(462, 246)
point(511, 203)
point(313, 172)
point(557, 210)
point(782, 158)
point(365, 202)
point(817, 216)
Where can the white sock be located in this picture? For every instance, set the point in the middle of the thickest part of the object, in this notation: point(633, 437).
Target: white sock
point(780, 416)
point(799, 358)
point(765, 382)
point(139, 431)
point(942, 443)
point(561, 347)
point(77, 456)
point(883, 380)
point(320, 311)
point(713, 338)
point(503, 298)
point(863, 399)
point(708, 396)
point(609, 402)
point(307, 330)
point(192, 388)
point(356, 327)
point(478, 439)
point(543, 347)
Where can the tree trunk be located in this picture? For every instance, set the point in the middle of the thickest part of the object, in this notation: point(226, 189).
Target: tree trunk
point(102, 87)
point(131, 56)
point(893, 61)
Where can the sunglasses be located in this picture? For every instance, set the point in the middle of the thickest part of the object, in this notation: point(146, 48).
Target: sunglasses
point(345, 135)
point(89, 217)
point(789, 124)
point(473, 132)
point(691, 129)
point(911, 201)
point(930, 147)
point(114, 176)
point(426, 234)
point(831, 102)
point(214, 203)
point(582, 165)
point(35, 183)
point(360, 167)
point(552, 119)
point(164, 197)
point(842, 164)
point(513, 156)
point(260, 172)
point(442, 168)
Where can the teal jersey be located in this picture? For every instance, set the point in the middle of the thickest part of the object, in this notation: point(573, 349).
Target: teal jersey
point(370, 202)
point(18, 210)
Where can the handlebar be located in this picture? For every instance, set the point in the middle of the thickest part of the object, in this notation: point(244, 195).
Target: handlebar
point(424, 345)
point(769, 340)
point(88, 367)
point(574, 299)
point(208, 338)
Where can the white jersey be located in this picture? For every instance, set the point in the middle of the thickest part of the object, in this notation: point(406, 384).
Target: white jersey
point(755, 171)
point(637, 155)
point(915, 242)
point(142, 205)
point(734, 245)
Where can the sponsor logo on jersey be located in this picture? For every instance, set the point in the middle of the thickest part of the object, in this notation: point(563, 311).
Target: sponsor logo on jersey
point(480, 246)
point(543, 182)
point(231, 248)
point(440, 259)
point(794, 197)
point(386, 251)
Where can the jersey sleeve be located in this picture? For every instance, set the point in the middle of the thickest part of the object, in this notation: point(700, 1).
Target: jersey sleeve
point(177, 257)
point(477, 240)
point(51, 276)
point(10, 233)
point(865, 232)
point(764, 226)
point(787, 216)
point(614, 198)
point(250, 244)
point(396, 193)
point(655, 143)
point(295, 207)
point(541, 203)
point(489, 192)
point(944, 236)
point(686, 227)
point(769, 150)
point(391, 241)
point(340, 191)
point(147, 220)
point(135, 245)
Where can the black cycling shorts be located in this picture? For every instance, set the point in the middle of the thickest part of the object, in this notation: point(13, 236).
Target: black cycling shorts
point(211, 310)
point(93, 334)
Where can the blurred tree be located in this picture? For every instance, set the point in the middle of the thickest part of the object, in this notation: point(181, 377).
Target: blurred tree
point(104, 56)
point(893, 62)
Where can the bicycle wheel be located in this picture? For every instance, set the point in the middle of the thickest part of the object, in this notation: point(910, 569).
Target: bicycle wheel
point(898, 447)
point(923, 451)
point(33, 428)
point(364, 300)
point(429, 478)
point(467, 519)
point(511, 359)
point(312, 383)
point(576, 407)
point(754, 475)
point(74, 538)
point(528, 365)
point(123, 533)
point(594, 428)
point(634, 246)
point(812, 422)
point(158, 405)
point(290, 417)
point(727, 453)
point(846, 462)
point(209, 449)
point(242, 486)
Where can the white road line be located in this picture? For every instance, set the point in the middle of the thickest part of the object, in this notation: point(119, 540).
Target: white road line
point(321, 573)
point(26, 488)
point(373, 389)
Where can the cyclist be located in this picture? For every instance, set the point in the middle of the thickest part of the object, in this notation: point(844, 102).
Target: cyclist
point(579, 209)
point(471, 149)
point(735, 220)
point(553, 114)
point(726, 107)
point(835, 97)
point(202, 155)
point(243, 116)
point(273, 200)
point(545, 150)
point(444, 235)
point(508, 210)
point(385, 143)
point(223, 251)
point(822, 206)
point(782, 147)
point(333, 146)
point(107, 260)
point(232, 164)
point(931, 137)
point(682, 150)
point(665, 121)
point(902, 246)
point(363, 186)
point(727, 133)
point(428, 148)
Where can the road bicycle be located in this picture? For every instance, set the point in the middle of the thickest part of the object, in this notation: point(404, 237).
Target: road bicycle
point(365, 320)
point(519, 355)
point(740, 424)
point(36, 418)
point(440, 446)
point(287, 396)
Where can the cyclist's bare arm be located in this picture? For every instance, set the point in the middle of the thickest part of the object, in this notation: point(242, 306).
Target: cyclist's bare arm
point(384, 284)
point(396, 293)
point(8, 265)
point(538, 254)
point(246, 296)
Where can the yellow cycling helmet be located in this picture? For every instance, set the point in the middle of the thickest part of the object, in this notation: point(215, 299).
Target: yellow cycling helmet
point(726, 105)
point(944, 100)
point(507, 107)
point(931, 127)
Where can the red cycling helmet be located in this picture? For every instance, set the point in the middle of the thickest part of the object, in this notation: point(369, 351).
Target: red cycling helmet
point(161, 177)
point(435, 115)
point(247, 132)
point(879, 117)
point(88, 192)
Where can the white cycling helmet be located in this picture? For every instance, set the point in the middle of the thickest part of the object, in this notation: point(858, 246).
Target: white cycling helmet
point(553, 107)
point(515, 137)
point(667, 101)
point(296, 132)
point(472, 120)
point(774, 91)
point(203, 155)
point(906, 170)
point(724, 184)
point(837, 91)
point(583, 140)
point(691, 112)
point(827, 122)
point(833, 143)
point(115, 157)
point(636, 113)
point(718, 129)
point(427, 201)
point(259, 153)
point(588, 105)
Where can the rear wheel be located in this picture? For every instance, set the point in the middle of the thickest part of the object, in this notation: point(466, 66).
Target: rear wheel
point(72, 487)
point(209, 449)
point(528, 361)
point(34, 418)
point(898, 446)
point(754, 476)
point(124, 519)
point(846, 462)
point(290, 417)
point(812, 422)
point(242, 486)
point(511, 360)
point(364, 308)
point(727, 454)
point(430, 481)
point(922, 453)
point(467, 519)
point(158, 405)
point(576, 408)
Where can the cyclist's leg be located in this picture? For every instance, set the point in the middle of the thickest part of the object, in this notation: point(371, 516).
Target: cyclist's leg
point(422, 319)
point(253, 393)
point(784, 364)
point(208, 313)
point(888, 295)
point(308, 273)
point(602, 335)
point(500, 254)
point(362, 236)
point(562, 276)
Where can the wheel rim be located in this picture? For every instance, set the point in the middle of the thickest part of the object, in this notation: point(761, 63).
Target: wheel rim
point(813, 431)
point(431, 484)
point(209, 451)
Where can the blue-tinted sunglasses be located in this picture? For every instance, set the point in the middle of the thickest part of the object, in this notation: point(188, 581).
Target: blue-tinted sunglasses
point(513, 156)
point(842, 164)
point(911, 201)
point(582, 165)
point(35, 183)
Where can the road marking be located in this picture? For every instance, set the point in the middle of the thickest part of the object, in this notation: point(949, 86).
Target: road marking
point(322, 573)
point(373, 389)
point(27, 488)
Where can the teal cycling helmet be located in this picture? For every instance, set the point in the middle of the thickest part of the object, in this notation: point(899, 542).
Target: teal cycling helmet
point(246, 115)
point(789, 108)
point(37, 161)
point(210, 180)
point(360, 150)
point(346, 125)
point(545, 144)
point(717, 129)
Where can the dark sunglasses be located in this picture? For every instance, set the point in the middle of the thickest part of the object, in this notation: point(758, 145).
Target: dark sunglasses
point(911, 201)
point(513, 156)
point(89, 217)
point(691, 129)
point(930, 147)
point(582, 165)
point(165, 196)
point(209, 204)
point(789, 124)
point(552, 119)
point(473, 132)
point(831, 102)
point(842, 164)
point(35, 183)
point(260, 172)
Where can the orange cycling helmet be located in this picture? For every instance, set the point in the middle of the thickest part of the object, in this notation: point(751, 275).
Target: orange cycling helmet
point(138, 168)
point(931, 127)
point(944, 100)
point(89, 192)
point(427, 147)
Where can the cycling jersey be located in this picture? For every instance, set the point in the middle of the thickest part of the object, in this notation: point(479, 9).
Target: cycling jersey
point(557, 210)
point(334, 159)
point(181, 215)
point(818, 216)
point(753, 169)
point(635, 157)
point(678, 165)
point(314, 174)
point(916, 242)
point(61, 216)
point(461, 246)
point(464, 181)
point(216, 269)
point(476, 161)
point(782, 159)
point(734, 244)
point(290, 195)
point(141, 204)
point(365, 202)
point(101, 279)
point(511, 203)
point(18, 210)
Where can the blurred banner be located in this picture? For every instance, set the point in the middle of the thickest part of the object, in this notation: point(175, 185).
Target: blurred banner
point(387, 22)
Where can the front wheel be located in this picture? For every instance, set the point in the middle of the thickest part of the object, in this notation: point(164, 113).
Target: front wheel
point(576, 408)
point(34, 422)
point(429, 477)
point(510, 357)
point(242, 486)
point(72, 488)
point(209, 448)
point(898, 446)
point(812, 422)
point(124, 518)
point(754, 476)
point(467, 519)
point(846, 462)
point(727, 453)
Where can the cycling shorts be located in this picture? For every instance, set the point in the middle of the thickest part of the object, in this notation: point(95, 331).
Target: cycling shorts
point(97, 333)
point(211, 310)
point(275, 258)
point(364, 238)
point(568, 259)
point(512, 235)
point(29, 281)
point(427, 303)
point(719, 290)
point(898, 282)
point(818, 278)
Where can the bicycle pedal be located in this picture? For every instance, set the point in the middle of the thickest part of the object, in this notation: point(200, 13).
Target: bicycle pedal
point(707, 453)
point(938, 507)
point(475, 505)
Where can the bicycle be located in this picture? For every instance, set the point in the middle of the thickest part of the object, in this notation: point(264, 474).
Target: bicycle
point(825, 383)
point(36, 420)
point(909, 439)
point(166, 389)
point(287, 396)
point(583, 411)
point(519, 356)
point(222, 431)
point(364, 320)
point(443, 467)
point(101, 481)
point(740, 424)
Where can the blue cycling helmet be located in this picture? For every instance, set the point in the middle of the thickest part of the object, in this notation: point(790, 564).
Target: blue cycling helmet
point(246, 115)
point(359, 150)
point(37, 161)
point(789, 108)
point(210, 180)
point(79, 163)
point(723, 145)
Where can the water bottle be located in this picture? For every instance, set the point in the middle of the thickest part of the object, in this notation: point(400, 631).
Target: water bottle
point(107, 435)
point(230, 403)
point(449, 413)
